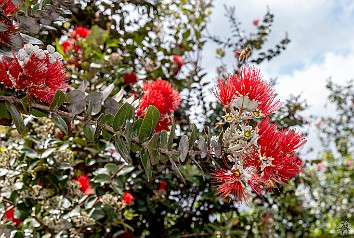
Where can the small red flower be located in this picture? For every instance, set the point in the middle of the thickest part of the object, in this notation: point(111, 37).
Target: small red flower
point(10, 38)
point(66, 45)
point(8, 7)
point(130, 78)
point(85, 185)
point(249, 83)
point(178, 60)
point(81, 32)
point(160, 94)
point(10, 216)
point(278, 161)
point(225, 91)
point(128, 197)
point(41, 73)
point(237, 53)
point(230, 184)
point(255, 22)
point(163, 185)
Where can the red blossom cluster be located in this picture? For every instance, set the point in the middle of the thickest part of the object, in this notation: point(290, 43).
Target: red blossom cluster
point(10, 216)
point(127, 197)
point(85, 186)
point(247, 83)
point(160, 94)
point(9, 7)
point(72, 44)
point(130, 78)
point(10, 37)
point(261, 155)
point(40, 73)
point(255, 22)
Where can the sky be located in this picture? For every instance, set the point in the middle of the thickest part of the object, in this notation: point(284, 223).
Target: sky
point(321, 47)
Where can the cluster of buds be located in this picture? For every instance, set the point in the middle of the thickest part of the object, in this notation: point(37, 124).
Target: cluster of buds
point(39, 73)
point(256, 155)
point(72, 45)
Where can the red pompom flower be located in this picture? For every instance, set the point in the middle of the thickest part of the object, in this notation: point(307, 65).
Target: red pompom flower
point(130, 78)
point(255, 22)
point(160, 94)
point(128, 197)
point(10, 216)
point(8, 7)
point(38, 72)
point(85, 185)
point(248, 83)
point(82, 32)
point(225, 91)
point(178, 60)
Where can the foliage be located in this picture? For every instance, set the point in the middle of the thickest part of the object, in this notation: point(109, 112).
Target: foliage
point(84, 163)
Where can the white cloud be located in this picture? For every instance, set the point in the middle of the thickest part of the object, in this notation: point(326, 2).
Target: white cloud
point(321, 46)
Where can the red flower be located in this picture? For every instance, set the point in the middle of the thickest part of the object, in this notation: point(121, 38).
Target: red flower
point(255, 22)
point(10, 38)
point(231, 184)
point(8, 7)
point(160, 94)
point(81, 32)
point(40, 73)
point(225, 91)
point(178, 60)
point(85, 185)
point(237, 53)
point(10, 216)
point(249, 83)
point(130, 78)
point(128, 197)
point(278, 161)
point(163, 185)
point(66, 45)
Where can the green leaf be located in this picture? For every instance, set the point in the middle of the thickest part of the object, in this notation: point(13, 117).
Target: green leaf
point(3, 112)
point(136, 126)
point(152, 147)
point(17, 118)
point(172, 134)
point(183, 148)
point(149, 123)
point(89, 132)
point(146, 164)
point(59, 47)
point(38, 113)
point(24, 102)
point(125, 112)
point(112, 168)
point(58, 100)
point(122, 148)
point(193, 135)
point(128, 134)
point(22, 214)
point(60, 122)
point(102, 178)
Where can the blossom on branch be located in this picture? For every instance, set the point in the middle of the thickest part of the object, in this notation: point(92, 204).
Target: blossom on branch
point(160, 94)
point(80, 31)
point(10, 216)
point(128, 197)
point(85, 186)
point(249, 83)
point(9, 7)
point(130, 78)
point(38, 72)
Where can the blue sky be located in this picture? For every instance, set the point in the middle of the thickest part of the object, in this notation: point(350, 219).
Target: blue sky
point(322, 46)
